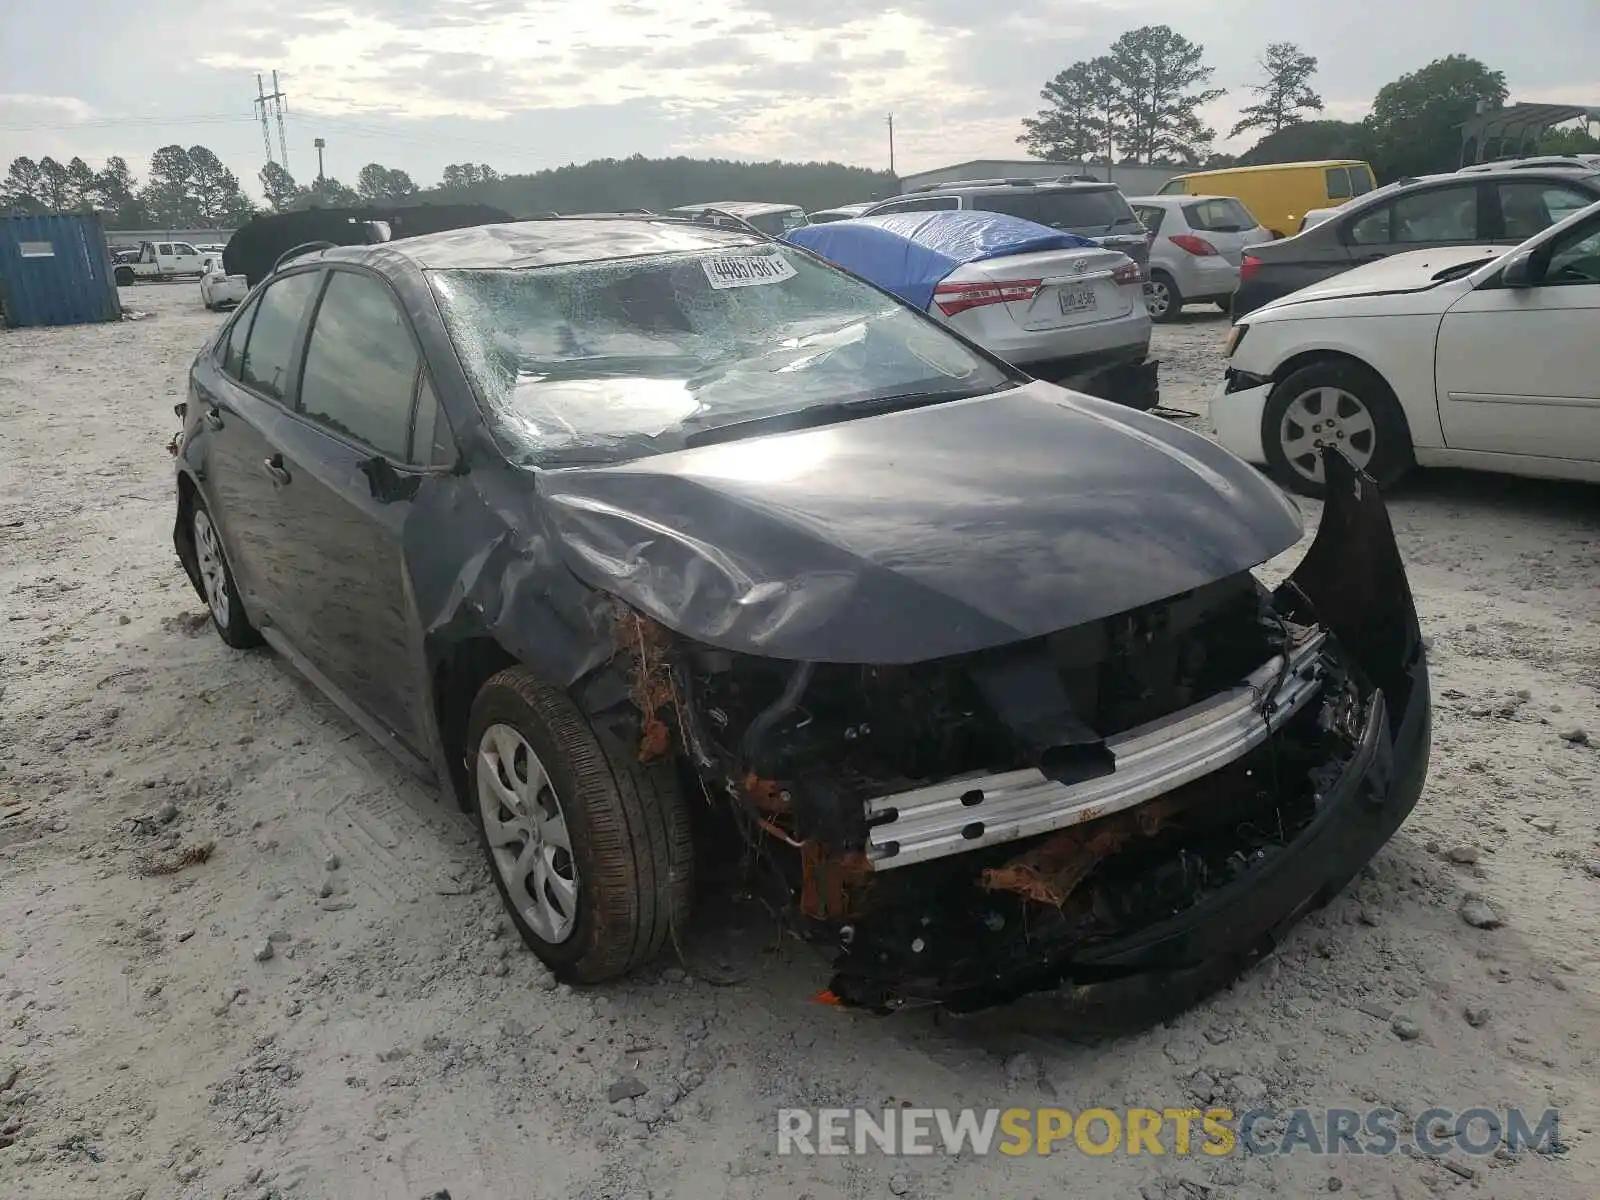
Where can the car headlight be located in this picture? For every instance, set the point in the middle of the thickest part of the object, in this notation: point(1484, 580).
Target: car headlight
point(1235, 336)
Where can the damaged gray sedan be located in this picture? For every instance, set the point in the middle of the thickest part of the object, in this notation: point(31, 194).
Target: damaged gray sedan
point(648, 539)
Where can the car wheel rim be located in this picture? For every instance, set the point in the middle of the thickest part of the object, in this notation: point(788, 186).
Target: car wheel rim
point(213, 573)
point(1158, 298)
point(1326, 416)
point(527, 833)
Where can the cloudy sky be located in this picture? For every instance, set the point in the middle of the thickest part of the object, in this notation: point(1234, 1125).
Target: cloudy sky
point(525, 84)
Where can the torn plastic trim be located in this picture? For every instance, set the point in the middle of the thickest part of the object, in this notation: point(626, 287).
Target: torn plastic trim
point(959, 815)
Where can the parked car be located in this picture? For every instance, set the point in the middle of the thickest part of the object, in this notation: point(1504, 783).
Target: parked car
point(1279, 193)
point(1098, 211)
point(160, 261)
point(774, 220)
point(1465, 356)
point(843, 212)
point(620, 528)
point(1055, 304)
point(219, 290)
point(1195, 254)
point(1492, 207)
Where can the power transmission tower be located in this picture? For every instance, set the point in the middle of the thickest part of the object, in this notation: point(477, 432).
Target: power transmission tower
point(261, 104)
point(270, 104)
point(283, 142)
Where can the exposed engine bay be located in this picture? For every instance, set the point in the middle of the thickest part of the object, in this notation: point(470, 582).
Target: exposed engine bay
point(967, 830)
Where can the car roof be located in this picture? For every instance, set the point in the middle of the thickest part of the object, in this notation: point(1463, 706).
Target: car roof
point(551, 242)
point(1000, 185)
point(1309, 164)
point(1552, 171)
point(738, 208)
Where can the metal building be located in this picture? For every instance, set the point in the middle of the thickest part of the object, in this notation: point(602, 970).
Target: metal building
point(55, 270)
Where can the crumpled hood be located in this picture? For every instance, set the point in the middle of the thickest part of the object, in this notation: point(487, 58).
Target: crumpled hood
point(918, 534)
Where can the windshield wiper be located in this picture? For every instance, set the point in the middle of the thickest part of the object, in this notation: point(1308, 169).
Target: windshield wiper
point(830, 414)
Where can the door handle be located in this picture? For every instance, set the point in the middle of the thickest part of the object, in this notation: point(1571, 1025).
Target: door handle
point(276, 469)
point(213, 417)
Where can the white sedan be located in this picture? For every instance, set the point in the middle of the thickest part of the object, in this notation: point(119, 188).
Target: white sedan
point(1460, 357)
point(219, 290)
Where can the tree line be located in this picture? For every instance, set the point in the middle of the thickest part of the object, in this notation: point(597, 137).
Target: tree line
point(1140, 103)
point(191, 189)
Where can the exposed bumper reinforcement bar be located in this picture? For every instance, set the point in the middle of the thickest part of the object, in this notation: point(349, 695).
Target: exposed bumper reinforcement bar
point(959, 815)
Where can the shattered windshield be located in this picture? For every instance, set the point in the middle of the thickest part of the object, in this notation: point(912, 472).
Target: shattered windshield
point(605, 361)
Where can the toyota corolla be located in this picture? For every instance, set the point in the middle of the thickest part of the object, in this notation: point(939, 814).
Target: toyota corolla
point(610, 525)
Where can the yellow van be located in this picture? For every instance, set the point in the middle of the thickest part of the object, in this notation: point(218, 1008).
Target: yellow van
point(1279, 194)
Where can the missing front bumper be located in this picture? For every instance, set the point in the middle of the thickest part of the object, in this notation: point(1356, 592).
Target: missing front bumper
point(1310, 805)
point(961, 815)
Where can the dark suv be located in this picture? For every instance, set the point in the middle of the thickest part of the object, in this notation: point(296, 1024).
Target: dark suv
point(1481, 208)
point(1098, 211)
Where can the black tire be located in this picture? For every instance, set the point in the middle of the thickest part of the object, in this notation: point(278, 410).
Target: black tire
point(628, 824)
point(124, 276)
point(1174, 305)
point(1388, 445)
point(234, 628)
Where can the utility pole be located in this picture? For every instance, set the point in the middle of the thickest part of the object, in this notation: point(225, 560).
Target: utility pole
point(319, 144)
point(283, 142)
point(261, 103)
point(891, 143)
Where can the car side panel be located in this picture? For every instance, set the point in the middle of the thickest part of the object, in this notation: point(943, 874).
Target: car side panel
point(228, 450)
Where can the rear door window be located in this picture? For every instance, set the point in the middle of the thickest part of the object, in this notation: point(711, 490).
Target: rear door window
point(361, 365)
point(1219, 216)
point(232, 359)
point(1360, 180)
point(164, 248)
point(1445, 214)
point(1338, 183)
point(269, 352)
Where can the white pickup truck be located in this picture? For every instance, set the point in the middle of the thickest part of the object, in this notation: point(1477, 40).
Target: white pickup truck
point(163, 260)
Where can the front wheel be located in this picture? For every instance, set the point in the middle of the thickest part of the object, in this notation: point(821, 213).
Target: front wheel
point(1334, 403)
point(1162, 298)
point(590, 849)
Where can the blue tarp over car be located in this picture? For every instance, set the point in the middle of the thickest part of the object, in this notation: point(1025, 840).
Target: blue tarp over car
point(909, 253)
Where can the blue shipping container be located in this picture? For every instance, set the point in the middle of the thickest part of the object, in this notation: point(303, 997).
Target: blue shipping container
point(56, 270)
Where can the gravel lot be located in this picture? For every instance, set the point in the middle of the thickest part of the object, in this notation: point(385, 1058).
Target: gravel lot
point(329, 1005)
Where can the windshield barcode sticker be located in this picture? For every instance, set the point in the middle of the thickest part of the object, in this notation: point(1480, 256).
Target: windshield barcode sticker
point(747, 270)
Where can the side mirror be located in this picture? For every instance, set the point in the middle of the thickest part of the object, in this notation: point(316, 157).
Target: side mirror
point(388, 484)
point(1519, 271)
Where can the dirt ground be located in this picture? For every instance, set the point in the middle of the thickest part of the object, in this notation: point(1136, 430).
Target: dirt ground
point(329, 1006)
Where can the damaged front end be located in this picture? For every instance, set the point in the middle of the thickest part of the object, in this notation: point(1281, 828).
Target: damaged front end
point(1160, 792)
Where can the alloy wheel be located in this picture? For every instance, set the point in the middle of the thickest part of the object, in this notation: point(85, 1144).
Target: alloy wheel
point(1326, 416)
point(527, 833)
point(1157, 298)
point(213, 568)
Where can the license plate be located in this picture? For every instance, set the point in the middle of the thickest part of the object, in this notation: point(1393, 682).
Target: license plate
point(1076, 300)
